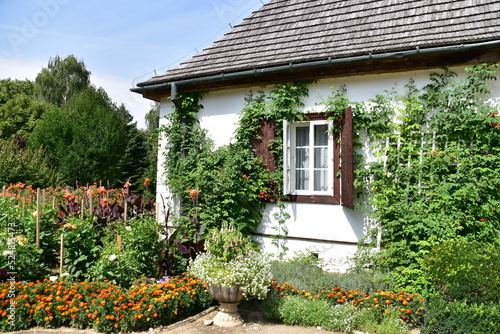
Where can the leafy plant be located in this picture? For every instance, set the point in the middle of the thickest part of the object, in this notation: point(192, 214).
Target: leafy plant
point(231, 261)
point(137, 255)
point(454, 264)
point(460, 317)
point(436, 171)
point(81, 246)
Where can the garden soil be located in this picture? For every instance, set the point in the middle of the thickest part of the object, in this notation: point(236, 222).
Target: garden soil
point(254, 323)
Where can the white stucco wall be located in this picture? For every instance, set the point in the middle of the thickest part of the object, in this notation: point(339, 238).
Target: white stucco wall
point(328, 230)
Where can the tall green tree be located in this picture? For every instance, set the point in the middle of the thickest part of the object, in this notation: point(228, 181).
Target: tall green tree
point(19, 110)
point(135, 155)
point(9, 89)
point(86, 138)
point(62, 79)
point(151, 133)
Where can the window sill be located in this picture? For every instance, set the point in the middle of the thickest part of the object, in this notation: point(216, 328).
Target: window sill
point(314, 199)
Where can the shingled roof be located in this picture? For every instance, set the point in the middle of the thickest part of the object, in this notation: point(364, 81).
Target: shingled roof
point(299, 31)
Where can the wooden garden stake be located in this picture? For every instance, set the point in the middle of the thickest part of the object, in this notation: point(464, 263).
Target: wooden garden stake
point(61, 257)
point(53, 202)
point(83, 207)
point(3, 193)
point(125, 213)
point(119, 243)
point(37, 218)
point(91, 207)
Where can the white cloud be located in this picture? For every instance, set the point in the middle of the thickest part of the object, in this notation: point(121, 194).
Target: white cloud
point(19, 69)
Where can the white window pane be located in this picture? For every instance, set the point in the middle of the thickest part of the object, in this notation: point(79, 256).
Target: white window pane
point(320, 180)
point(301, 179)
point(302, 136)
point(321, 157)
point(302, 157)
point(320, 135)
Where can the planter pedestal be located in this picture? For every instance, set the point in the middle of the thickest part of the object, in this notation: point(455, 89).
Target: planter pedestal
point(229, 299)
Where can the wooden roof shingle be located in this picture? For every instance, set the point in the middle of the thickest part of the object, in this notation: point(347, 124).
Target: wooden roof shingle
point(298, 31)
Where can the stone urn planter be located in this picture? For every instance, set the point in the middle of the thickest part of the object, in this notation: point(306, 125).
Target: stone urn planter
point(228, 299)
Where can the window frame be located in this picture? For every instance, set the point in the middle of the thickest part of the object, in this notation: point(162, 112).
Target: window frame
point(334, 196)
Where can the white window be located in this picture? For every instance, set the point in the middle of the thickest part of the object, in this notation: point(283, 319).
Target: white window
point(308, 158)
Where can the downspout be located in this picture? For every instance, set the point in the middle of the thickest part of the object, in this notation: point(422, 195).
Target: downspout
point(313, 64)
point(173, 96)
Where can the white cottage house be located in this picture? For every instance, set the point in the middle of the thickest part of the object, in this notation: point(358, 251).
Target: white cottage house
point(368, 45)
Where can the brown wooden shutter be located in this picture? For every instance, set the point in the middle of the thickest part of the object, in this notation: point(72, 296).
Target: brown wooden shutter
point(265, 136)
point(347, 170)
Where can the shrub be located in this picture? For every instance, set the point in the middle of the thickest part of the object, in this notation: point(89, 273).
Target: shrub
point(465, 270)
point(139, 253)
point(81, 246)
point(307, 275)
point(371, 320)
point(460, 317)
point(300, 311)
point(26, 164)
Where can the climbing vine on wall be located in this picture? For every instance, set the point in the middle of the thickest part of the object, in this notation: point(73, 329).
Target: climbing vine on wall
point(232, 182)
point(435, 174)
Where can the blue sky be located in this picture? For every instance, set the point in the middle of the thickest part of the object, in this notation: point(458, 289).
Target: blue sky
point(122, 42)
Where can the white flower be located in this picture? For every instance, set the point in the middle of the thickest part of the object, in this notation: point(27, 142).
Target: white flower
point(53, 278)
point(6, 253)
point(112, 257)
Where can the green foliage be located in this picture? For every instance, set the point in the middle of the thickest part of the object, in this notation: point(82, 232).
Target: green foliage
point(85, 138)
point(373, 321)
point(62, 79)
point(460, 317)
point(10, 89)
point(140, 249)
point(27, 164)
point(299, 311)
point(227, 243)
point(230, 260)
point(19, 253)
point(228, 180)
point(81, 246)
point(19, 110)
point(307, 275)
point(436, 176)
point(231, 181)
point(465, 270)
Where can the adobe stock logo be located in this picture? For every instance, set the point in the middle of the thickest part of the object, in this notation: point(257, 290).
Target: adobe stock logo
point(223, 7)
point(30, 26)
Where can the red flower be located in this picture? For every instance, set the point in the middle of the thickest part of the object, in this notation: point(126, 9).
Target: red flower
point(69, 197)
point(147, 182)
point(193, 193)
